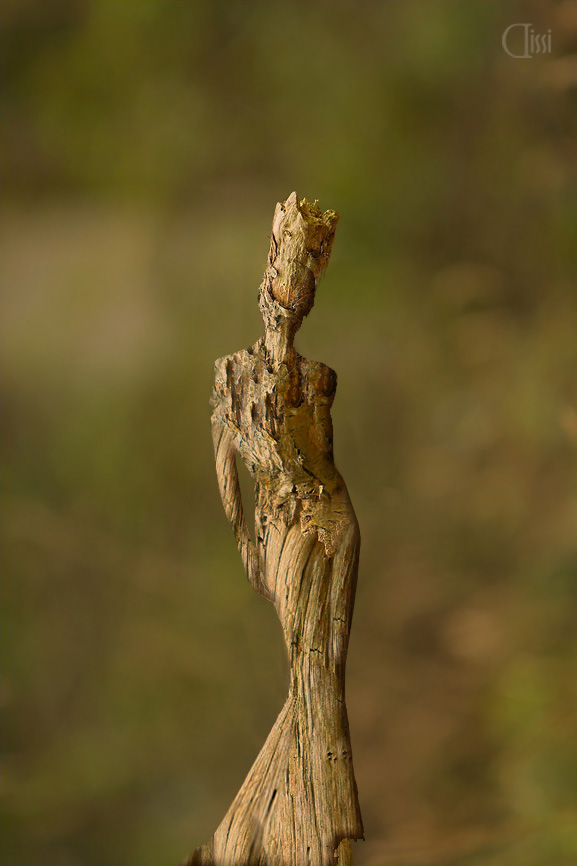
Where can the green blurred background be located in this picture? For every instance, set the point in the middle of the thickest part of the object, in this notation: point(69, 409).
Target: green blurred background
point(144, 146)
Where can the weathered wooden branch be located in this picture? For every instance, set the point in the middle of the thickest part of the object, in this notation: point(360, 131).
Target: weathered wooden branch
point(298, 804)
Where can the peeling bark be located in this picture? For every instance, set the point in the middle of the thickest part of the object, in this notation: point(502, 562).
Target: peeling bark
point(298, 806)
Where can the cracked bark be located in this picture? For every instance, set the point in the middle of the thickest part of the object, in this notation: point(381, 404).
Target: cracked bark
point(298, 806)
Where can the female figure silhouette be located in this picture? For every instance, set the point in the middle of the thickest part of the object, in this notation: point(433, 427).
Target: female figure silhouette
point(298, 805)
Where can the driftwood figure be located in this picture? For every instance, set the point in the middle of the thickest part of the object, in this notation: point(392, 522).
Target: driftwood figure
point(298, 805)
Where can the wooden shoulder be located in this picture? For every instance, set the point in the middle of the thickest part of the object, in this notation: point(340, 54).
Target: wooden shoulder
point(232, 360)
point(322, 377)
point(325, 370)
point(225, 369)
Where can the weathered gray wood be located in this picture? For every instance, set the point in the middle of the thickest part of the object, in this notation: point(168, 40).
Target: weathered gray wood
point(298, 804)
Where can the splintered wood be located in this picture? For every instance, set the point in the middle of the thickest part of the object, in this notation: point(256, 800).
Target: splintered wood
point(298, 805)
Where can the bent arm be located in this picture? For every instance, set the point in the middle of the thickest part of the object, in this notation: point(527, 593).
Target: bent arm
point(230, 494)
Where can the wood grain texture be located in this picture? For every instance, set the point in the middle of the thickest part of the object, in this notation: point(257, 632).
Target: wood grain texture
point(298, 805)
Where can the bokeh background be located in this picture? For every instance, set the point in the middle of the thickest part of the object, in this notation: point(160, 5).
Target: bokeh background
point(144, 146)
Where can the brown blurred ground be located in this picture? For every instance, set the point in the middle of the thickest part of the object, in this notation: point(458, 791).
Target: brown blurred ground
point(145, 144)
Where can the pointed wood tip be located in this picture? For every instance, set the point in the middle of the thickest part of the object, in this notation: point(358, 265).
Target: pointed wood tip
point(311, 212)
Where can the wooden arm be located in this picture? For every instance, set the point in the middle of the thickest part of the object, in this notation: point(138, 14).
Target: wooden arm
point(228, 484)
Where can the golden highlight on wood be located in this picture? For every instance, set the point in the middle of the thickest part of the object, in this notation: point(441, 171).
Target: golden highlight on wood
point(298, 806)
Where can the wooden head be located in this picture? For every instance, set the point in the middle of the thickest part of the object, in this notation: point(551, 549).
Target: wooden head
point(300, 248)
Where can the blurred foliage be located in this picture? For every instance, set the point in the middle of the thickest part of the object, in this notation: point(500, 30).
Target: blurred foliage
point(145, 144)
